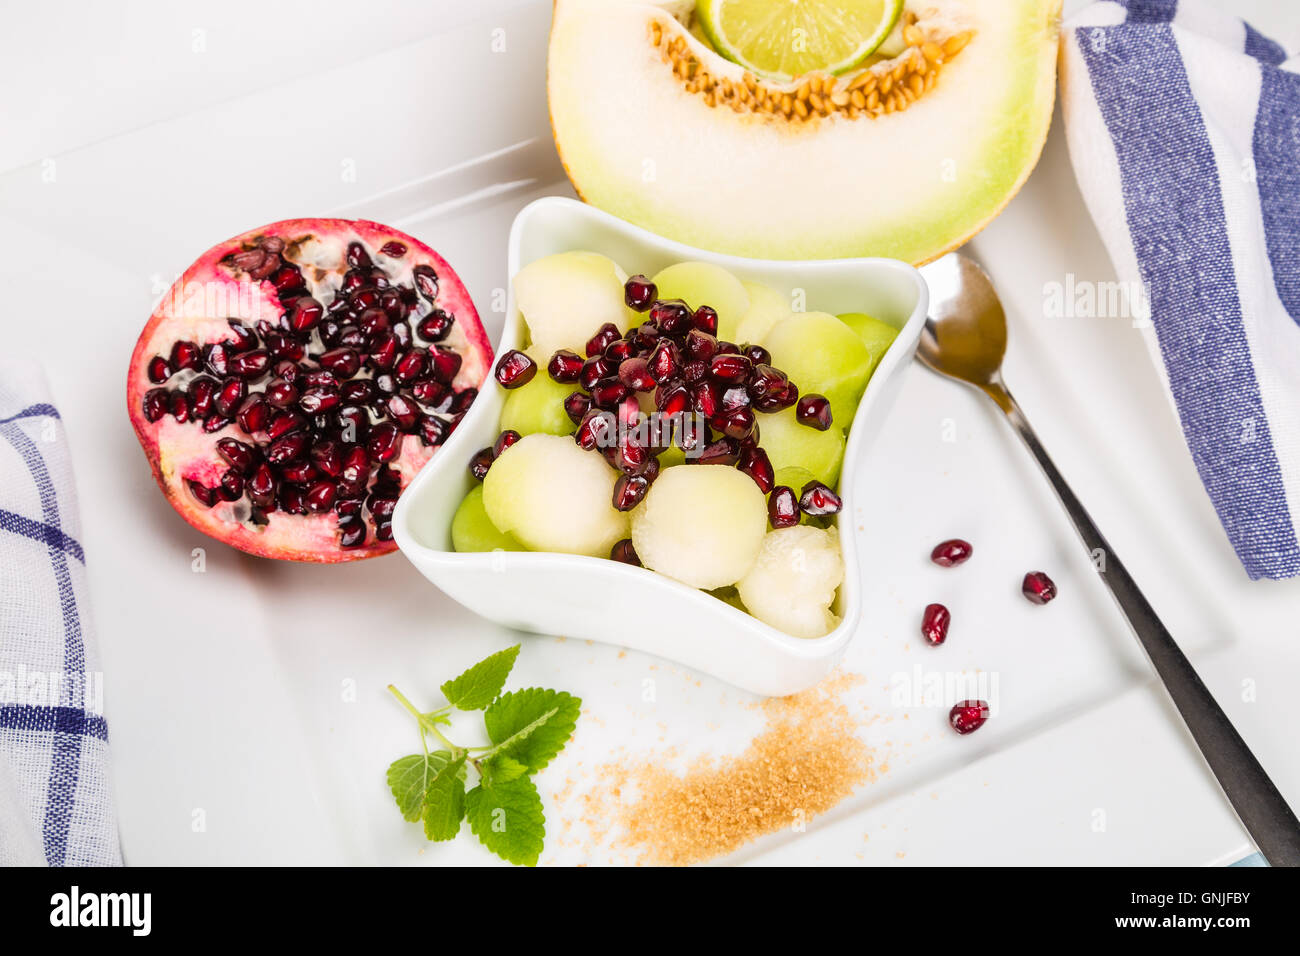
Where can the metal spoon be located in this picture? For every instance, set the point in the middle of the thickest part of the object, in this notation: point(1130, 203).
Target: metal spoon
point(965, 338)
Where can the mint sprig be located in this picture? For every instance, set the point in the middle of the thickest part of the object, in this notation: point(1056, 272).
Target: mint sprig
point(527, 728)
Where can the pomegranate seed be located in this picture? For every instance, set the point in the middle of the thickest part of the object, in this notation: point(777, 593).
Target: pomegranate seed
point(237, 454)
point(319, 399)
point(426, 281)
point(950, 553)
point(232, 485)
point(695, 370)
point(286, 278)
point(593, 370)
point(286, 448)
point(565, 366)
point(663, 360)
point(342, 362)
point(596, 430)
point(464, 399)
point(630, 458)
point(606, 335)
point(298, 471)
point(1038, 587)
point(382, 506)
point(639, 293)
point(623, 551)
point(402, 332)
point(327, 456)
point(383, 351)
point(373, 322)
point(771, 389)
point(756, 354)
point(281, 394)
point(188, 356)
point(735, 423)
point(701, 345)
point(782, 507)
point(320, 496)
point(480, 463)
point(203, 495)
point(628, 412)
point(393, 249)
point(814, 411)
point(577, 405)
point(504, 441)
point(726, 367)
point(384, 442)
point(282, 347)
point(159, 370)
point(305, 313)
point(384, 531)
point(515, 369)
point(202, 391)
point(968, 716)
point(405, 412)
point(179, 407)
point(707, 398)
point(281, 423)
point(755, 463)
point(629, 490)
point(619, 351)
point(435, 394)
point(608, 392)
point(672, 316)
point(934, 624)
point(635, 374)
point(446, 363)
point(214, 423)
point(352, 533)
point(356, 469)
point(227, 400)
point(724, 451)
point(816, 499)
point(261, 486)
point(412, 367)
point(706, 319)
point(434, 430)
point(251, 364)
point(357, 256)
point(155, 404)
point(217, 358)
point(435, 326)
point(735, 397)
point(672, 398)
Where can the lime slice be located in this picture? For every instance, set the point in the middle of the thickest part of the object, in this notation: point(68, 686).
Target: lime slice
point(783, 39)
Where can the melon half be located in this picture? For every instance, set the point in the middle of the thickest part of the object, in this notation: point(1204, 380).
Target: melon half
point(654, 126)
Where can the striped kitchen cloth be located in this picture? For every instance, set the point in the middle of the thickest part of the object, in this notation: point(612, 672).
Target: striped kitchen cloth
point(1184, 130)
point(56, 798)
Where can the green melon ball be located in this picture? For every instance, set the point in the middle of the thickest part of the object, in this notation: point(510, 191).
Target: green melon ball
point(554, 496)
point(700, 524)
point(791, 445)
point(473, 530)
point(876, 335)
point(539, 405)
point(566, 297)
point(822, 355)
point(702, 283)
point(767, 307)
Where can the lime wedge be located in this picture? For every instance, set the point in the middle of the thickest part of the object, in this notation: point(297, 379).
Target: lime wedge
point(783, 39)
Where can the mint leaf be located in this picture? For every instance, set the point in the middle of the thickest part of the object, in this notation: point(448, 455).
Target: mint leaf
point(480, 685)
point(508, 819)
point(502, 768)
point(524, 714)
point(409, 779)
point(444, 801)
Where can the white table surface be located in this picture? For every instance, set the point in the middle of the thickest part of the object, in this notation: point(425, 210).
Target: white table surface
point(135, 142)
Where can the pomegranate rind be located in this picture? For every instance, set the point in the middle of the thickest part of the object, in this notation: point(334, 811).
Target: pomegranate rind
point(197, 308)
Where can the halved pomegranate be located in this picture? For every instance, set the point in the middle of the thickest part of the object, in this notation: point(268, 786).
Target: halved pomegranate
point(294, 380)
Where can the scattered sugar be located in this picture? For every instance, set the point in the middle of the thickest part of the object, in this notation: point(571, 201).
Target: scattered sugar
point(807, 757)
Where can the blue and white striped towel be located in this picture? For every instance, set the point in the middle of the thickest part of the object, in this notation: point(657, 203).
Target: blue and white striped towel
point(56, 798)
point(1184, 131)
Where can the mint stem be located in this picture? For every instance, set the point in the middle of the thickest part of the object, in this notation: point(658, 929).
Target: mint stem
point(425, 722)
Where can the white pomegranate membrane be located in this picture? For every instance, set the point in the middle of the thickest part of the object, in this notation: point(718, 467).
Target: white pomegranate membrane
point(295, 379)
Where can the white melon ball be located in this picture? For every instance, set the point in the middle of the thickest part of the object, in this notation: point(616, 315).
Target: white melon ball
point(767, 307)
point(565, 298)
point(792, 584)
point(554, 496)
point(700, 524)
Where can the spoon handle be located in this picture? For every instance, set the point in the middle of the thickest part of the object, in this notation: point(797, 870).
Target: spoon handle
point(1258, 803)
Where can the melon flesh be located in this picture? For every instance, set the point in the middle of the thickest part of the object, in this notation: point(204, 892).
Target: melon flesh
point(910, 185)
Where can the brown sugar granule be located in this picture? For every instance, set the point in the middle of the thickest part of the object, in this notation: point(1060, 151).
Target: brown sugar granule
point(807, 758)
